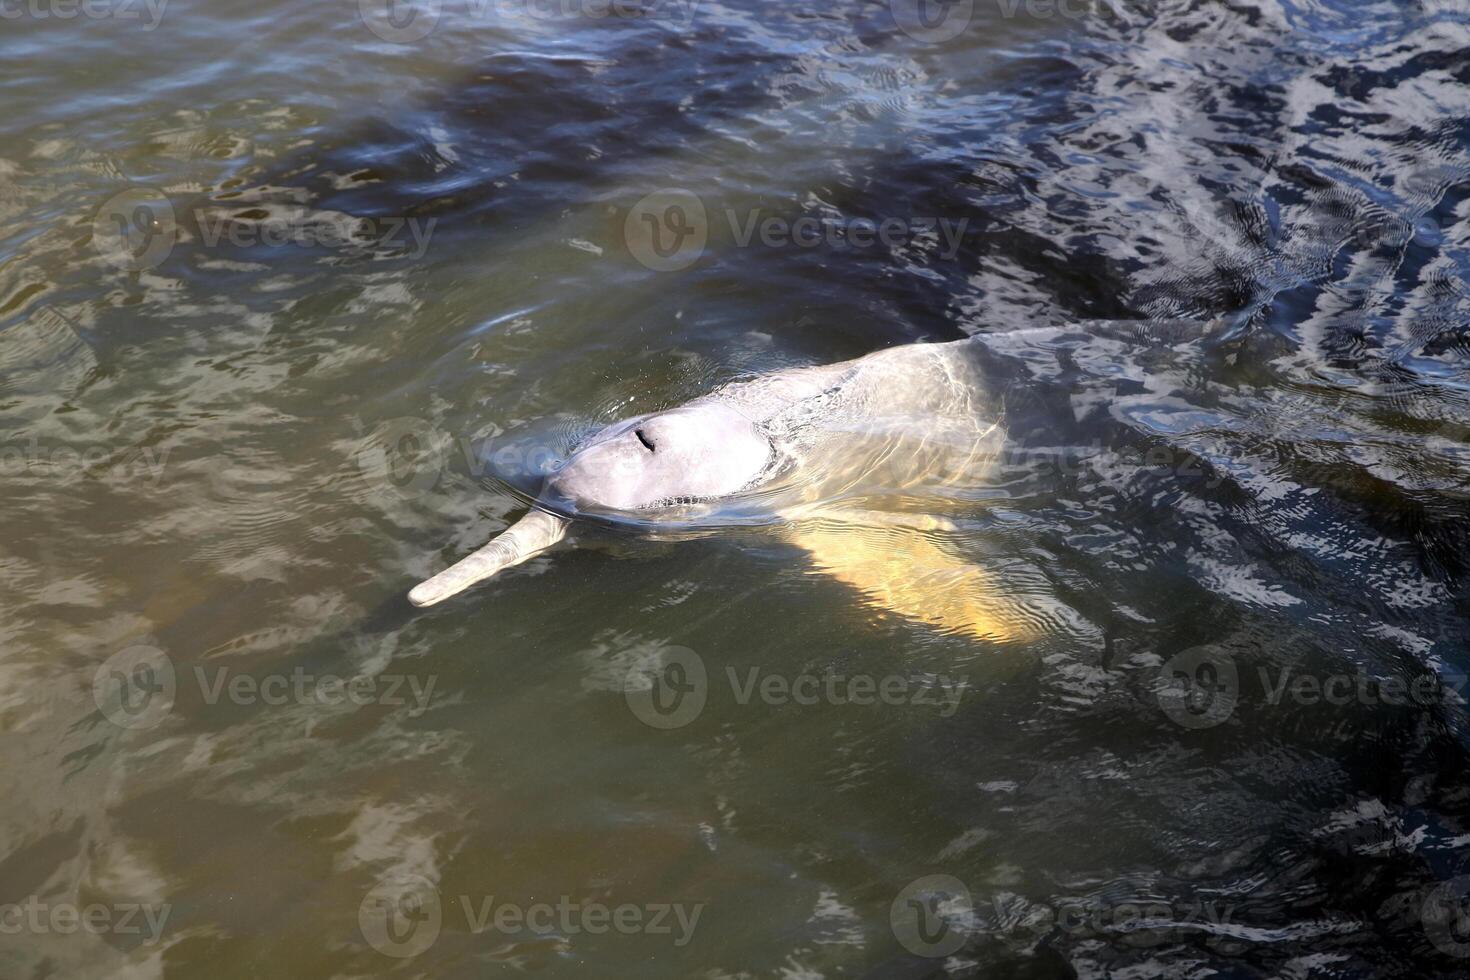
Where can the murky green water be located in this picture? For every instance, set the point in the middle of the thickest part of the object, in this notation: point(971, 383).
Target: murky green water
point(299, 300)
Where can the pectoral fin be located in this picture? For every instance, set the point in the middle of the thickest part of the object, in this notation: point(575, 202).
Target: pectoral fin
point(903, 568)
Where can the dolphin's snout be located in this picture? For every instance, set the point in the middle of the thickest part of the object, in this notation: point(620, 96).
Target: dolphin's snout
point(525, 539)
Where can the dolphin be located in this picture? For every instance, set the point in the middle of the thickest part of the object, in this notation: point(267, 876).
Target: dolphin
point(849, 461)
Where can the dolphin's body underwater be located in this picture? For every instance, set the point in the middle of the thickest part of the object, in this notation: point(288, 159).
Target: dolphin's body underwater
point(851, 459)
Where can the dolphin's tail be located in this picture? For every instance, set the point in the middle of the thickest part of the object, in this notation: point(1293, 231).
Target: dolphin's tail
point(528, 537)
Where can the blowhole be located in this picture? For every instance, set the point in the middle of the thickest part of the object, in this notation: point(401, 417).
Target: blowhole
point(647, 443)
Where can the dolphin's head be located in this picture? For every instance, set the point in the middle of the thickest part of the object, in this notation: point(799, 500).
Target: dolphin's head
point(700, 451)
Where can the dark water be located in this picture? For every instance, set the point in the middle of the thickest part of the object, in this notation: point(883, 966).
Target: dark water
point(1216, 256)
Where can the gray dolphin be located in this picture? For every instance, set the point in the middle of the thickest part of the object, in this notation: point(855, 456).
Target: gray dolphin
point(851, 461)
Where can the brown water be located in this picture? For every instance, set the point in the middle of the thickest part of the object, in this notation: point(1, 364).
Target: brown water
point(295, 303)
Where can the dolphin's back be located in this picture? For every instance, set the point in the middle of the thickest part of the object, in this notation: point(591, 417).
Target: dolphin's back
point(897, 420)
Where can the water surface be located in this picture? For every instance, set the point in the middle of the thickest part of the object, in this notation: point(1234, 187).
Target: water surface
point(1214, 255)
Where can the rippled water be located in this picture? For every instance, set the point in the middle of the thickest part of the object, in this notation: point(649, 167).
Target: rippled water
point(297, 305)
